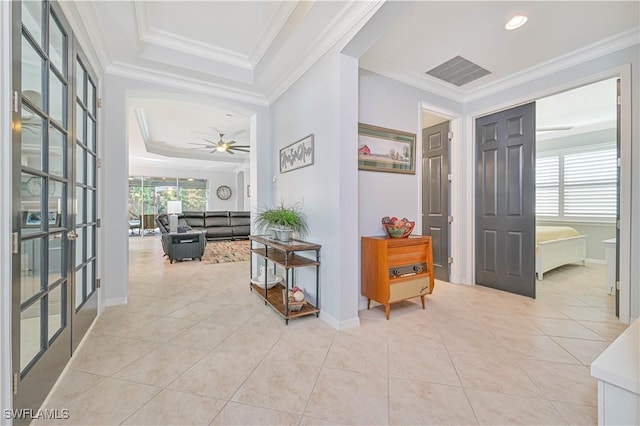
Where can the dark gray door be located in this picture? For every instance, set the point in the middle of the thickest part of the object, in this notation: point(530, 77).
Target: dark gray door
point(505, 200)
point(435, 194)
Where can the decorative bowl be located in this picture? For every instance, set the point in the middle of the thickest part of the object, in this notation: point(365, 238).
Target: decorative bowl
point(396, 231)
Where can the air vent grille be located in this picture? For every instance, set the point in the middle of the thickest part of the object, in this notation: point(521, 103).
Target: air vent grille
point(458, 71)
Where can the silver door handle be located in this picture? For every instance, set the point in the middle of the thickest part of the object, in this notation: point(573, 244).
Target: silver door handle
point(72, 236)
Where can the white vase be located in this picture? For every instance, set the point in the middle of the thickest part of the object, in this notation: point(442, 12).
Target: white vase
point(284, 234)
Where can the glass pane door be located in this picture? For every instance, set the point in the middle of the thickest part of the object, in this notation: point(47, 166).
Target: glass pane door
point(41, 334)
point(85, 223)
point(54, 201)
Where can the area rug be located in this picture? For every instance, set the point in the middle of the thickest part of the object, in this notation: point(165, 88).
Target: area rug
point(226, 251)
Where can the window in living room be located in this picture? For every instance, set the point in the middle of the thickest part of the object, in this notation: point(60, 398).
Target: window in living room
point(148, 198)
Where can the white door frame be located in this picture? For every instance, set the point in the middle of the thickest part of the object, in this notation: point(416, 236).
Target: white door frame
point(464, 168)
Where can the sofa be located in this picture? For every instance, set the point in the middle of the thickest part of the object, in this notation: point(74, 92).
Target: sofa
point(221, 225)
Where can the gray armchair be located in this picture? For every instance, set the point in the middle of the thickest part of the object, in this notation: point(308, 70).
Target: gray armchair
point(184, 246)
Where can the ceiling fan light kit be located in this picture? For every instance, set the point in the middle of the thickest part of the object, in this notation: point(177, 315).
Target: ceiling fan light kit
point(221, 146)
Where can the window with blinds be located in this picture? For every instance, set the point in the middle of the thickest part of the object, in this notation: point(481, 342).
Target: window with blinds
point(548, 186)
point(579, 185)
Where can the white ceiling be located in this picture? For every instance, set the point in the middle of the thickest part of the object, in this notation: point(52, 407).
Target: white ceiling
point(253, 50)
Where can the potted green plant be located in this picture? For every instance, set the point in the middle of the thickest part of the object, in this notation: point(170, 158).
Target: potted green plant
point(283, 219)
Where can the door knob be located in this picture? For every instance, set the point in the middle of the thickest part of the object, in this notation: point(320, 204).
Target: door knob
point(72, 236)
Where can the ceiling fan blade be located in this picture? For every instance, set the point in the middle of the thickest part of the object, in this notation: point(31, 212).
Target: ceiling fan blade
point(230, 152)
point(241, 150)
point(242, 146)
point(198, 143)
point(230, 142)
point(201, 147)
point(211, 142)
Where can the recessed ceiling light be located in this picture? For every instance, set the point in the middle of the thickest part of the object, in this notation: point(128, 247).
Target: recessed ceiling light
point(516, 22)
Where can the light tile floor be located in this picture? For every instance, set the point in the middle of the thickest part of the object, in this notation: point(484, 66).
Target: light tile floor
point(195, 346)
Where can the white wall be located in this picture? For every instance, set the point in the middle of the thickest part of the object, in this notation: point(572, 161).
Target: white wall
point(314, 105)
point(114, 193)
point(243, 178)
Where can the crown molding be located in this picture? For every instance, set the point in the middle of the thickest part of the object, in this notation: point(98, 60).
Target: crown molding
point(196, 48)
point(579, 56)
point(271, 31)
point(184, 83)
point(168, 40)
point(351, 15)
point(85, 24)
point(418, 81)
point(142, 17)
point(584, 54)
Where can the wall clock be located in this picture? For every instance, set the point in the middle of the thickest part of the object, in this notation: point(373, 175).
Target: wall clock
point(223, 192)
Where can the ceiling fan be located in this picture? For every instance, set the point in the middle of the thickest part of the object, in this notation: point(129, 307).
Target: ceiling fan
point(221, 146)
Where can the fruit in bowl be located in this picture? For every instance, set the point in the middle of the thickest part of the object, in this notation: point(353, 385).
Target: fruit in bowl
point(397, 228)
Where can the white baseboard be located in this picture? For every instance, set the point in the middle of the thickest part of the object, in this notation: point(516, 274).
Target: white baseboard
point(596, 261)
point(116, 301)
point(339, 325)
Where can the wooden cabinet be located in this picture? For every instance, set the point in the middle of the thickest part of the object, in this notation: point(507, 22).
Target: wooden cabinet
point(287, 256)
point(396, 269)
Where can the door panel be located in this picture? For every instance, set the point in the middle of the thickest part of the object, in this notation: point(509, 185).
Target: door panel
point(84, 218)
point(45, 202)
point(505, 200)
point(435, 195)
point(41, 340)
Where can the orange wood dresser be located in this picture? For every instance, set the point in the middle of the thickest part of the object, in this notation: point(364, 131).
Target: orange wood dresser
point(396, 269)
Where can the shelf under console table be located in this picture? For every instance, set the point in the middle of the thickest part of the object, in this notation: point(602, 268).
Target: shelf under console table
point(287, 256)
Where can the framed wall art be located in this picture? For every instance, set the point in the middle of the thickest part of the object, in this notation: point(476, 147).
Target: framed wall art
point(386, 150)
point(298, 154)
point(33, 218)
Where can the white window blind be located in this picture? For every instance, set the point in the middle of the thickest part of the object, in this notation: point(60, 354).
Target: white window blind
point(547, 186)
point(575, 184)
point(590, 184)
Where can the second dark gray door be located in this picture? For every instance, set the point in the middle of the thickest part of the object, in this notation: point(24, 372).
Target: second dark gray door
point(435, 194)
point(505, 200)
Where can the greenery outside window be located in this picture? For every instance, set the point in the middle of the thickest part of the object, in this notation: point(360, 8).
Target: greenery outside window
point(149, 195)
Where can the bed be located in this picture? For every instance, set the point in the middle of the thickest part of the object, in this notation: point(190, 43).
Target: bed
point(557, 246)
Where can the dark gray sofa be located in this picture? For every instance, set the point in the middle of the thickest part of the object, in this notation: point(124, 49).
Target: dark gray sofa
point(220, 225)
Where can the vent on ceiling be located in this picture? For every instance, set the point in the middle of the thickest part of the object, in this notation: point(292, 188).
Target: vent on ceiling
point(458, 71)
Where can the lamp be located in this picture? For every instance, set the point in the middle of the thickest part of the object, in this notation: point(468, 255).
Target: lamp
point(174, 208)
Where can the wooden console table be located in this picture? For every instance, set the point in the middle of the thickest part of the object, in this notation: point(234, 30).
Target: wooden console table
point(287, 256)
point(396, 269)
